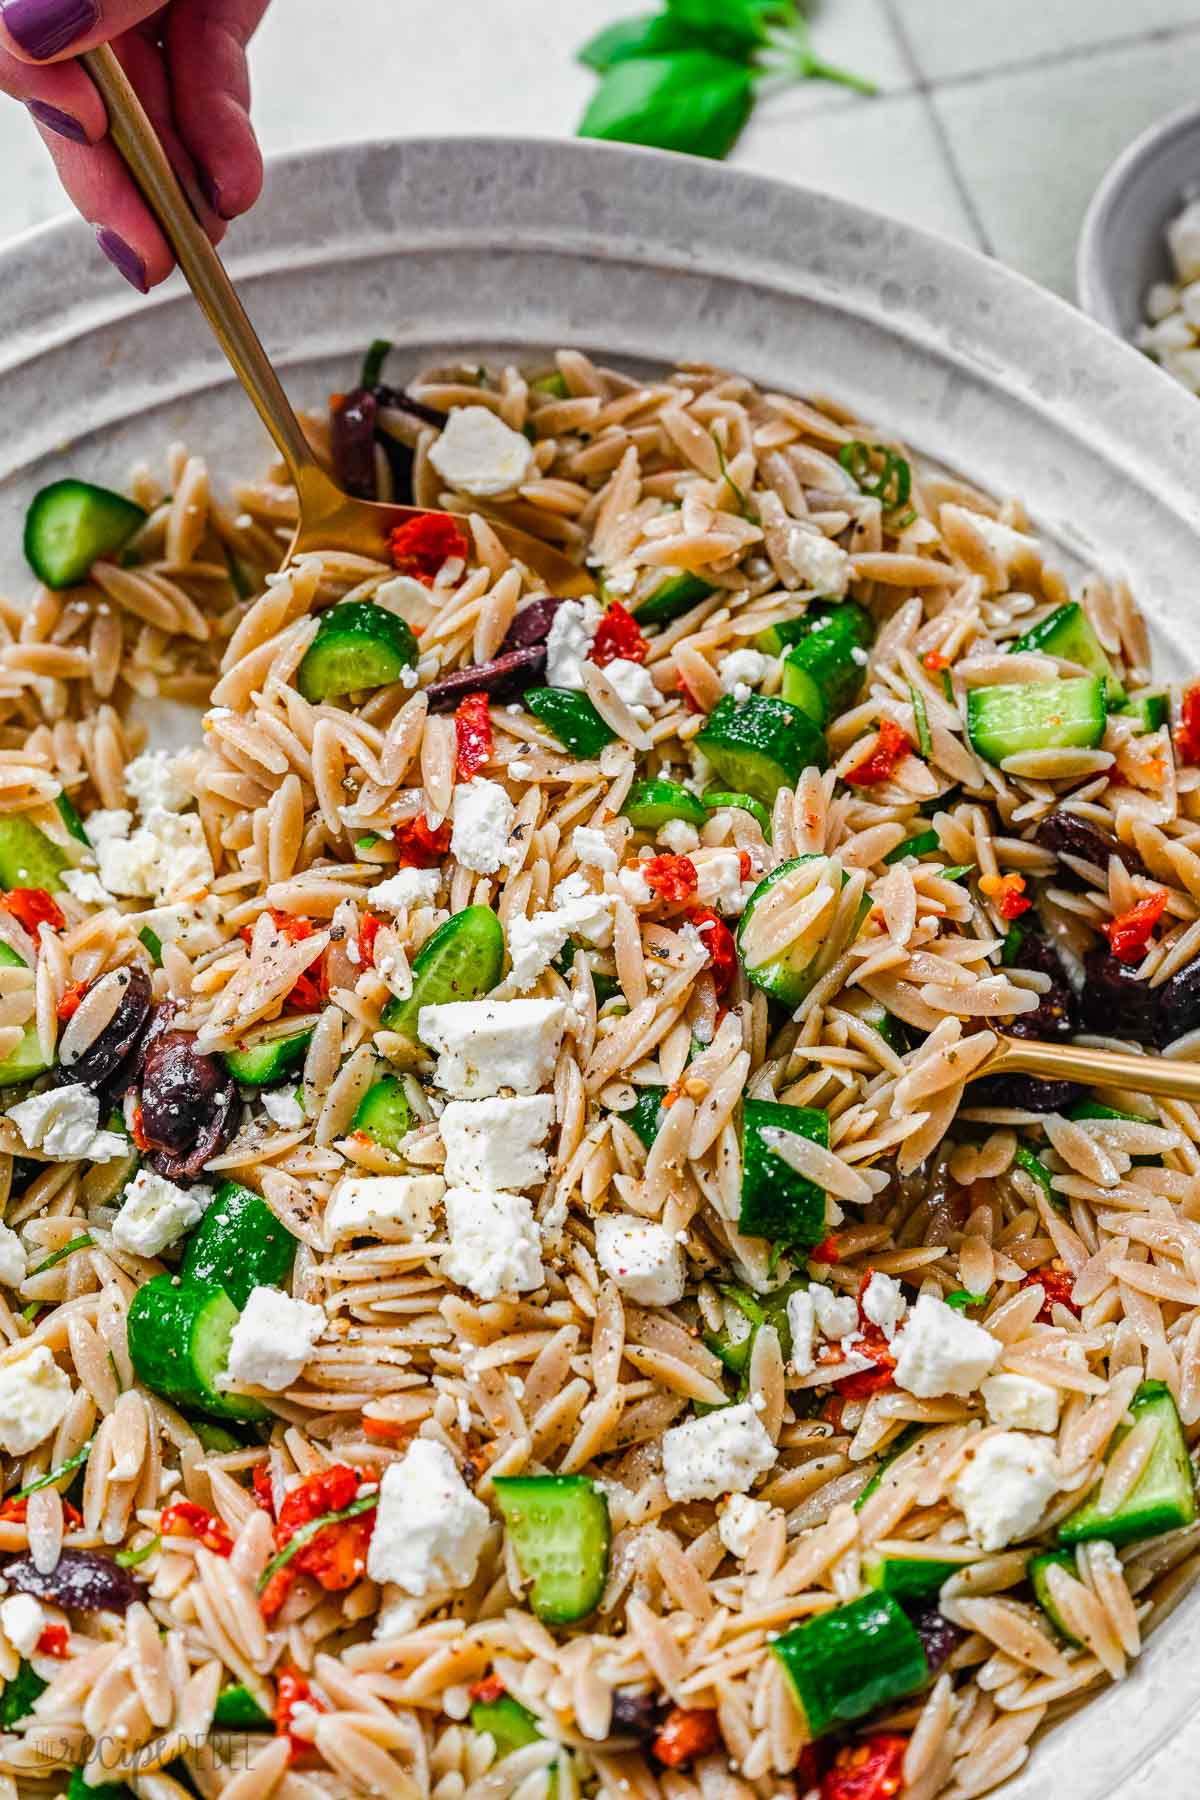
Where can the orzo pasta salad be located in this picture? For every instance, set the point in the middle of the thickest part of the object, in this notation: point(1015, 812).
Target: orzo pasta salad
point(508, 1285)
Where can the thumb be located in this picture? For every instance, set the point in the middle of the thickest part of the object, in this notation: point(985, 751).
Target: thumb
point(49, 30)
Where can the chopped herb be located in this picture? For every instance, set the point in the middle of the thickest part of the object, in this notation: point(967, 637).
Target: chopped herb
point(29, 1313)
point(1010, 950)
point(116, 1373)
point(1033, 1165)
point(368, 841)
point(744, 506)
point(555, 385)
point(921, 721)
point(129, 1559)
point(373, 362)
point(20, 1694)
point(957, 871)
point(243, 587)
point(153, 944)
point(889, 481)
point(306, 1533)
point(919, 845)
point(44, 1481)
point(961, 1299)
point(79, 1243)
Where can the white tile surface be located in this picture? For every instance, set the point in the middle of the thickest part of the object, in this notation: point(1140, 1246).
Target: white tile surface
point(982, 36)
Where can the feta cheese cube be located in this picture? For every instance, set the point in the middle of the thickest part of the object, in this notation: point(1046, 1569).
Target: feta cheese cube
point(636, 687)
point(273, 1339)
point(1006, 1486)
point(836, 1314)
point(802, 1321)
point(495, 1246)
point(587, 915)
point(642, 1257)
point(939, 1352)
point(396, 1209)
point(282, 1107)
point(34, 1395)
point(479, 454)
point(106, 824)
point(592, 848)
point(743, 668)
point(167, 859)
point(86, 886)
point(818, 563)
point(739, 1521)
point(569, 639)
point(22, 1620)
point(407, 887)
point(722, 1453)
point(533, 944)
point(12, 1258)
point(156, 1213)
point(494, 1143)
point(64, 1122)
point(483, 816)
point(634, 886)
point(1021, 1404)
point(884, 1304)
point(155, 779)
point(408, 598)
point(486, 1045)
point(429, 1528)
point(678, 837)
point(719, 881)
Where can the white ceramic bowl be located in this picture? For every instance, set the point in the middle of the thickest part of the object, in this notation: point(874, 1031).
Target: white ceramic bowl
point(1122, 247)
point(509, 247)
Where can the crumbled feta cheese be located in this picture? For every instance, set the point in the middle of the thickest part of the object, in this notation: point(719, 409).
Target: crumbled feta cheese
point(495, 1247)
point(678, 837)
point(592, 848)
point(884, 1304)
point(520, 771)
point(407, 887)
point(635, 686)
point(483, 816)
point(1005, 1487)
point(155, 779)
point(588, 915)
point(64, 1122)
point(494, 1143)
point(721, 1453)
point(195, 928)
point(408, 598)
point(479, 454)
point(802, 1322)
point(167, 859)
point(156, 1213)
point(642, 1258)
point(570, 638)
point(34, 1395)
point(719, 881)
point(22, 1620)
point(397, 1209)
point(739, 1520)
point(486, 1045)
point(429, 1527)
point(819, 564)
point(743, 668)
point(634, 886)
point(12, 1258)
point(86, 886)
point(273, 1339)
point(939, 1352)
point(282, 1107)
point(107, 824)
point(836, 1314)
point(533, 944)
point(1019, 1403)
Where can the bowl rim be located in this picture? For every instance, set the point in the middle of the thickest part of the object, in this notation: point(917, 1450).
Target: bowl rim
point(1092, 288)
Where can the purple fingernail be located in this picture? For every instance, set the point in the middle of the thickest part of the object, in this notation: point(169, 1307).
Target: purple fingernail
point(44, 27)
point(54, 120)
point(212, 193)
point(124, 257)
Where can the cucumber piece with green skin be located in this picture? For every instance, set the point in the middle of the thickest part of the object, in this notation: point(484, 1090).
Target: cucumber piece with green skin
point(463, 960)
point(27, 1060)
point(821, 671)
point(671, 599)
point(845, 1663)
point(238, 1710)
point(1038, 1572)
point(716, 798)
point(384, 1112)
point(652, 804)
point(71, 819)
point(20, 1693)
point(28, 858)
point(1008, 720)
point(777, 1203)
point(646, 1116)
point(71, 524)
point(358, 645)
point(907, 1577)
point(510, 1726)
point(762, 744)
point(572, 719)
point(1164, 1496)
point(757, 1310)
point(1067, 632)
point(179, 1334)
point(789, 976)
point(261, 1065)
point(781, 637)
point(1149, 712)
point(215, 1437)
point(238, 1244)
point(560, 1534)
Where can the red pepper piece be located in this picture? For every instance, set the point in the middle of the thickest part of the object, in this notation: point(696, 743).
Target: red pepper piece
point(310, 990)
point(686, 1733)
point(183, 1518)
point(870, 1381)
point(33, 907)
point(1059, 1285)
point(55, 1640)
point(473, 731)
point(672, 878)
point(745, 864)
point(870, 1770)
point(420, 846)
point(935, 662)
point(487, 1691)
point(292, 1689)
point(420, 546)
point(826, 1251)
point(1187, 732)
point(293, 926)
point(617, 636)
point(1130, 932)
point(68, 1006)
point(689, 699)
point(337, 1556)
point(717, 939)
point(368, 930)
point(264, 1493)
point(891, 747)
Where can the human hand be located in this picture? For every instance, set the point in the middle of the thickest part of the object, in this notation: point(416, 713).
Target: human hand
point(187, 60)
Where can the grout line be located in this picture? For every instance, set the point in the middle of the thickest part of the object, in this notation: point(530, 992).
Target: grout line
point(1025, 65)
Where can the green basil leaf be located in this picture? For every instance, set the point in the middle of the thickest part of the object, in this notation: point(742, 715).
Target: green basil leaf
point(692, 102)
point(649, 34)
point(730, 26)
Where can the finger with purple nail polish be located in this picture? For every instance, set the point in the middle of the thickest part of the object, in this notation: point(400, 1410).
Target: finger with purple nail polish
point(123, 257)
point(54, 119)
point(45, 28)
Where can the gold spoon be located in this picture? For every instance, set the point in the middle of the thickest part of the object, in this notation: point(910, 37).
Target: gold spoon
point(1139, 1070)
point(329, 519)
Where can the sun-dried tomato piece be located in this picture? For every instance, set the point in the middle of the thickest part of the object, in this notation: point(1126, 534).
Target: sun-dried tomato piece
point(292, 1689)
point(686, 1733)
point(689, 699)
point(1059, 1285)
point(826, 1251)
point(68, 1006)
point(1008, 892)
point(717, 939)
point(1187, 732)
point(33, 907)
point(264, 1492)
point(369, 927)
point(473, 734)
point(183, 1518)
point(293, 926)
point(420, 546)
point(54, 1640)
point(618, 637)
point(870, 1381)
point(488, 1690)
point(419, 844)
point(891, 747)
point(672, 878)
point(872, 1769)
point(1129, 933)
point(336, 1556)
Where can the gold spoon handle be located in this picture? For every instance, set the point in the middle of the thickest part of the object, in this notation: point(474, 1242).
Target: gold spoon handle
point(138, 144)
point(1144, 1073)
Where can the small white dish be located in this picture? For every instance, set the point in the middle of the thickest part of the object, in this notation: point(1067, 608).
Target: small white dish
point(1122, 246)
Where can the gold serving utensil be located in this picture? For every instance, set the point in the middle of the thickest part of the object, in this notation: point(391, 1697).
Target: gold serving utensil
point(1139, 1070)
point(329, 519)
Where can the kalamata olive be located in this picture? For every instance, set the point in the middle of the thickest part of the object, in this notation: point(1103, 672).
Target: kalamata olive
point(1179, 1003)
point(1056, 1013)
point(939, 1637)
point(634, 1715)
point(352, 441)
point(1114, 1003)
point(1070, 834)
point(531, 625)
point(114, 1051)
point(81, 1580)
point(396, 400)
point(188, 1104)
point(1024, 1093)
point(502, 679)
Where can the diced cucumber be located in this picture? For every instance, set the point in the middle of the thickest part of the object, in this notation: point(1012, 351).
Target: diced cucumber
point(553, 384)
point(20, 1693)
point(671, 599)
point(238, 1710)
point(907, 1577)
point(716, 798)
point(762, 744)
point(1149, 712)
point(510, 1726)
point(572, 718)
point(1164, 1496)
point(358, 645)
point(215, 1437)
point(845, 1663)
point(923, 843)
point(71, 819)
point(28, 858)
point(384, 1112)
point(1039, 1568)
point(780, 637)
point(559, 1531)
point(71, 524)
point(261, 1065)
point(240, 1244)
point(777, 1203)
point(179, 1344)
point(1036, 715)
point(463, 960)
point(1068, 632)
point(655, 803)
point(789, 976)
point(821, 672)
point(646, 1116)
point(27, 1060)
